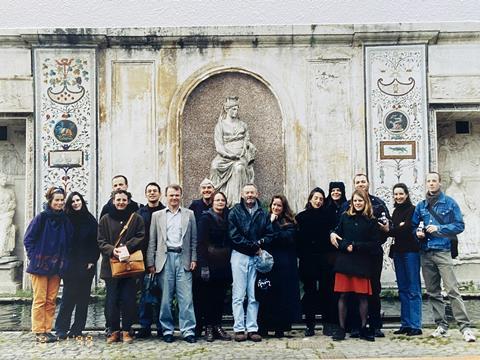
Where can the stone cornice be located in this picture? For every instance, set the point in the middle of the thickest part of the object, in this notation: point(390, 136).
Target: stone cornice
point(245, 36)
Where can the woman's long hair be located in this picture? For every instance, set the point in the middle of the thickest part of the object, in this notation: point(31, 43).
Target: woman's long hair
point(408, 201)
point(68, 205)
point(309, 206)
point(367, 210)
point(287, 213)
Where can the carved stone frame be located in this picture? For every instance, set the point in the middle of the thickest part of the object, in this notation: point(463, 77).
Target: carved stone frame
point(29, 205)
point(174, 160)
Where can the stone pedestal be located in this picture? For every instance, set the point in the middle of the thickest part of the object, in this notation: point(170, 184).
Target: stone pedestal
point(10, 274)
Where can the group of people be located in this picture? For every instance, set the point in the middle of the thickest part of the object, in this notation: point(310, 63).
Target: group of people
point(195, 255)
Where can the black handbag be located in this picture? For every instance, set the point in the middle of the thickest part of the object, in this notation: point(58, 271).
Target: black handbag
point(453, 238)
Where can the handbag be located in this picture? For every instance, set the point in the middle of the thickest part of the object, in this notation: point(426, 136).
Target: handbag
point(263, 262)
point(453, 238)
point(133, 266)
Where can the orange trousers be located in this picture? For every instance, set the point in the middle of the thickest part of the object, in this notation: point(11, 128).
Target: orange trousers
point(45, 290)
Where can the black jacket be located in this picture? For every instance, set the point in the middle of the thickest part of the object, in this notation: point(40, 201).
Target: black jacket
point(199, 207)
point(146, 213)
point(84, 248)
point(363, 234)
point(214, 246)
point(314, 227)
point(378, 207)
point(248, 231)
point(404, 239)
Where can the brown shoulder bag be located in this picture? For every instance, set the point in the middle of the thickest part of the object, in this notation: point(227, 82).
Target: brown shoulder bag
point(133, 266)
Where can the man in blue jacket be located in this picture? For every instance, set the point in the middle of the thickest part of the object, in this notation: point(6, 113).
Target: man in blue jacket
point(442, 220)
point(249, 228)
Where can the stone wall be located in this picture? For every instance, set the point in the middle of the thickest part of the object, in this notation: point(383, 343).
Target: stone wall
point(311, 96)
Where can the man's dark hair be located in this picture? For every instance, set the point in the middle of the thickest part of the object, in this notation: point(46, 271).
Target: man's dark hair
point(153, 184)
point(121, 176)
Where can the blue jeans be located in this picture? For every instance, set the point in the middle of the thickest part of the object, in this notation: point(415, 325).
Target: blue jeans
point(407, 270)
point(244, 276)
point(174, 279)
point(148, 308)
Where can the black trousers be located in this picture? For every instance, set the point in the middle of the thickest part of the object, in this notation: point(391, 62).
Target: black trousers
point(215, 301)
point(120, 302)
point(374, 302)
point(200, 295)
point(318, 282)
point(76, 296)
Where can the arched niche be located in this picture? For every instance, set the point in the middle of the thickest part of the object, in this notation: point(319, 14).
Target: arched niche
point(259, 108)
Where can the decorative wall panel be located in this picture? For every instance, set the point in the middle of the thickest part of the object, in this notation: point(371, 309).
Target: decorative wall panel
point(65, 121)
point(397, 124)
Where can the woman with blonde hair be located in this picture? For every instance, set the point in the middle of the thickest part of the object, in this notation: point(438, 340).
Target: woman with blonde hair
point(358, 230)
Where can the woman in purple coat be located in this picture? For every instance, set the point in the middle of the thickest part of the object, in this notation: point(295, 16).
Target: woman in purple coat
point(47, 241)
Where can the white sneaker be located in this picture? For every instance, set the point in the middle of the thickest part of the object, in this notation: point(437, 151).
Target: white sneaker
point(468, 335)
point(439, 332)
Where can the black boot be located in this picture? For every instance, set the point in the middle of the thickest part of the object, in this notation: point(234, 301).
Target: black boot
point(366, 334)
point(209, 333)
point(339, 334)
point(310, 330)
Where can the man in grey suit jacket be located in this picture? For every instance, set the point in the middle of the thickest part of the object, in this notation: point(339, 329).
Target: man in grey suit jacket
point(172, 252)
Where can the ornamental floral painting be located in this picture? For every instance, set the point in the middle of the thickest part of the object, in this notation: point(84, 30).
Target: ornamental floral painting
point(65, 120)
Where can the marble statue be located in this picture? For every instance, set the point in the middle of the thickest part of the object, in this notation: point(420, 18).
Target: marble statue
point(468, 240)
point(7, 210)
point(232, 168)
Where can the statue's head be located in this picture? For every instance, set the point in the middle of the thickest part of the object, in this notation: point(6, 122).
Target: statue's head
point(457, 177)
point(3, 179)
point(231, 106)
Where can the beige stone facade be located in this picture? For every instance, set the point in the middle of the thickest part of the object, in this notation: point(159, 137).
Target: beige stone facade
point(323, 102)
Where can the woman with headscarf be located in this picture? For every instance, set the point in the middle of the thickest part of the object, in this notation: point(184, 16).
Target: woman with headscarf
point(335, 200)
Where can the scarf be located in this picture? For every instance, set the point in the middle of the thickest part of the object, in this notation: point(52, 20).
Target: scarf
point(432, 198)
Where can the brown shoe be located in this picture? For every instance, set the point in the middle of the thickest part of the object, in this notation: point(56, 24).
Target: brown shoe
point(221, 334)
point(254, 336)
point(114, 337)
point(240, 336)
point(126, 337)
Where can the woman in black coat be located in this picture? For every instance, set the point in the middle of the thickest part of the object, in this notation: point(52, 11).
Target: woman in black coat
point(82, 258)
point(406, 258)
point(334, 202)
point(214, 250)
point(280, 304)
point(313, 245)
point(358, 230)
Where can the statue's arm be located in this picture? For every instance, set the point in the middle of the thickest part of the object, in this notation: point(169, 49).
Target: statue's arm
point(219, 142)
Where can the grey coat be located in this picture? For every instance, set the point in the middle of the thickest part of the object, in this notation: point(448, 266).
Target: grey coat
point(157, 246)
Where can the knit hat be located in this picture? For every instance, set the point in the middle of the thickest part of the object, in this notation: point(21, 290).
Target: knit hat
point(336, 184)
point(206, 182)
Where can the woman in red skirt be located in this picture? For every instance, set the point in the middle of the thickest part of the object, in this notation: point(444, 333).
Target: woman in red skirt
point(358, 229)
